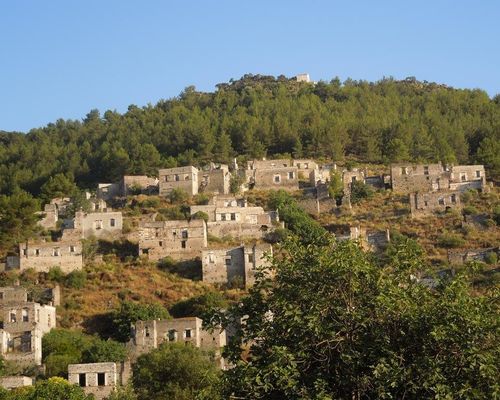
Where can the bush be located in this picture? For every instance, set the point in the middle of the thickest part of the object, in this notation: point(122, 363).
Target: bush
point(235, 184)
point(491, 258)
point(496, 214)
point(470, 210)
point(199, 305)
point(200, 215)
point(201, 199)
point(55, 274)
point(360, 191)
point(175, 371)
point(277, 236)
point(129, 313)
point(449, 240)
point(76, 279)
point(178, 196)
point(172, 214)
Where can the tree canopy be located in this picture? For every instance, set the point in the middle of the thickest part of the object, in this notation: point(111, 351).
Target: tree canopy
point(382, 121)
point(333, 325)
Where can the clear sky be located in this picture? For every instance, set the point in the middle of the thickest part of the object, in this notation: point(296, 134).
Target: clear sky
point(60, 58)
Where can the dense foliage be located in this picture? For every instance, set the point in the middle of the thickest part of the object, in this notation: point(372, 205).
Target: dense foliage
point(62, 347)
point(384, 121)
point(295, 218)
point(52, 389)
point(175, 371)
point(129, 313)
point(333, 325)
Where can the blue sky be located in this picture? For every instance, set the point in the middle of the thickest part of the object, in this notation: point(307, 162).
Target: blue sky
point(59, 59)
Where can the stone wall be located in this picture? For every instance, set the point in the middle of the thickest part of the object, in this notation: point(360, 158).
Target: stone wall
point(146, 184)
point(464, 177)
point(407, 178)
point(184, 178)
point(275, 178)
point(22, 348)
point(13, 295)
point(98, 379)
point(25, 316)
point(14, 382)
point(42, 256)
point(214, 180)
point(223, 266)
point(108, 191)
point(149, 335)
point(181, 240)
point(49, 217)
point(105, 225)
point(460, 257)
point(422, 204)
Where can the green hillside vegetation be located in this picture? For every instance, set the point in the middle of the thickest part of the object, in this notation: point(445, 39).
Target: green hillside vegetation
point(385, 121)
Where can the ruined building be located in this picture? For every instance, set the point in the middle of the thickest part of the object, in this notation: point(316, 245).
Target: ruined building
point(99, 379)
point(427, 203)
point(104, 224)
point(22, 325)
point(184, 178)
point(272, 174)
point(42, 256)
point(229, 265)
point(129, 184)
point(181, 240)
point(229, 216)
point(407, 178)
point(148, 335)
point(214, 179)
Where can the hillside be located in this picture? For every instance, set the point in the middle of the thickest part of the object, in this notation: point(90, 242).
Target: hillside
point(381, 122)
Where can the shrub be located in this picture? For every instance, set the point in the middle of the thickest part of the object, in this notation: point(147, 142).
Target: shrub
point(201, 199)
point(76, 279)
point(55, 274)
point(360, 191)
point(178, 196)
point(199, 305)
point(200, 215)
point(491, 258)
point(470, 210)
point(449, 240)
point(496, 214)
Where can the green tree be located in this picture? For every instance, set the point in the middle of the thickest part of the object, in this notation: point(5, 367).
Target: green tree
point(51, 389)
point(59, 186)
point(175, 371)
point(129, 313)
point(17, 218)
point(295, 218)
point(333, 325)
point(198, 306)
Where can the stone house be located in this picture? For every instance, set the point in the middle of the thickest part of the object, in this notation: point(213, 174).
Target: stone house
point(181, 240)
point(148, 335)
point(214, 179)
point(233, 217)
point(370, 240)
point(42, 256)
point(304, 167)
point(272, 174)
point(141, 183)
point(24, 348)
point(99, 379)
point(319, 176)
point(48, 217)
point(223, 266)
point(108, 191)
point(26, 316)
point(14, 382)
point(23, 325)
point(103, 225)
point(13, 294)
point(427, 203)
point(349, 177)
point(184, 178)
point(464, 177)
point(408, 178)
